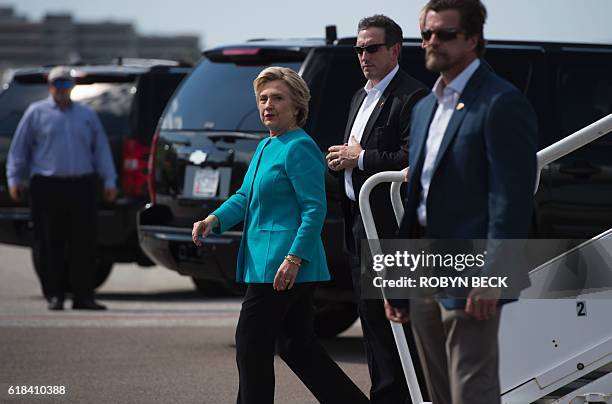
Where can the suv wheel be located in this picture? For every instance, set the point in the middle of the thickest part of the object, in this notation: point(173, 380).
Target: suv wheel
point(103, 270)
point(332, 318)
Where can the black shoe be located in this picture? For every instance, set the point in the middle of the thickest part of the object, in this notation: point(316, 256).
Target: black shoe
point(87, 304)
point(55, 303)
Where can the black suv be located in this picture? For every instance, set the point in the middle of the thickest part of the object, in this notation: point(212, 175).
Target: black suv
point(212, 123)
point(129, 97)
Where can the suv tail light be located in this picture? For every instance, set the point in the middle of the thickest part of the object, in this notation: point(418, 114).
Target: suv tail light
point(241, 51)
point(133, 178)
point(151, 167)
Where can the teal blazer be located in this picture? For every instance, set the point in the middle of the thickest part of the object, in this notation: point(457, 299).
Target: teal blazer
point(282, 204)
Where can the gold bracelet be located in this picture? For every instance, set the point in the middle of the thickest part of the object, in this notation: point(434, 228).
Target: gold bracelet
point(291, 260)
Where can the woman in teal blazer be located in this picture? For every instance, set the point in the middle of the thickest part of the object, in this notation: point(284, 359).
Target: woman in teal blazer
point(281, 257)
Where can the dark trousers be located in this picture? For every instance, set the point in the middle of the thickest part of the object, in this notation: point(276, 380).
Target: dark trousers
point(386, 373)
point(284, 320)
point(64, 215)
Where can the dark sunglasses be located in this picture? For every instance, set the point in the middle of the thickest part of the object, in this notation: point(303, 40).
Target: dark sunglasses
point(63, 83)
point(443, 35)
point(369, 49)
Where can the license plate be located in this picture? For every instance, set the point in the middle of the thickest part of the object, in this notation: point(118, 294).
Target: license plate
point(205, 182)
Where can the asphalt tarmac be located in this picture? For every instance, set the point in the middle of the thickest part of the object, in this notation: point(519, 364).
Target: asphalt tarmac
point(158, 342)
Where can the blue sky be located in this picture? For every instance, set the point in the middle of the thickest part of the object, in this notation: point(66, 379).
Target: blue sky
point(222, 22)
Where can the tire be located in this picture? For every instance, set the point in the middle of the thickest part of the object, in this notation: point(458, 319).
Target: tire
point(103, 270)
point(332, 318)
point(36, 263)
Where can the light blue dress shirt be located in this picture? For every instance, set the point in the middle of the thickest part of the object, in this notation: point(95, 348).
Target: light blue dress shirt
point(50, 141)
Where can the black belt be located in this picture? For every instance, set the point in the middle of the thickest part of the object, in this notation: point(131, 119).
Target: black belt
point(66, 178)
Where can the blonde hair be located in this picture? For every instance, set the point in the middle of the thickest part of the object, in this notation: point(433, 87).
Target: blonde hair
point(300, 94)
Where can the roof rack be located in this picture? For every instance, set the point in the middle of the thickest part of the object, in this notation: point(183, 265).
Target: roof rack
point(124, 61)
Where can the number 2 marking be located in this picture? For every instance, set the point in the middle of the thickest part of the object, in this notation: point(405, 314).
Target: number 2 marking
point(581, 309)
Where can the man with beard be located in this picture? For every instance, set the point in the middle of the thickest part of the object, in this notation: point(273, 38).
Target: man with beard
point(473, 167)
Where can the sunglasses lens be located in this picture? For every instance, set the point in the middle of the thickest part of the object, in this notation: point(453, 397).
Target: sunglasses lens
point(369, 49)
point(442, 35)
point(61, 84)
point(447, 35)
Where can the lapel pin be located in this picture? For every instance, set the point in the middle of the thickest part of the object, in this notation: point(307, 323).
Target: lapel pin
point(460, 106)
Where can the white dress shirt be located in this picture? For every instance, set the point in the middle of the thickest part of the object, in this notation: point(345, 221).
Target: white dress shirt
point(447, 96)
point(373, 94)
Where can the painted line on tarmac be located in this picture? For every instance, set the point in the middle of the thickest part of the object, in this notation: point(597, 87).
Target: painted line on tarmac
point(118, 320)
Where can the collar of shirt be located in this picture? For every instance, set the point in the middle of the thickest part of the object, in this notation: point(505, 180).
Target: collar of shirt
point(458, 83)
point(382, 85)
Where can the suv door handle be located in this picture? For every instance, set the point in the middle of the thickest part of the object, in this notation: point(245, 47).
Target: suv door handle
point(581, 169)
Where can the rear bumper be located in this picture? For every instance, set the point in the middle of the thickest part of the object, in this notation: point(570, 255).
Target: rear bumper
point(116, 233)
point(173, 248)
point(215, 260)
point(15, 226)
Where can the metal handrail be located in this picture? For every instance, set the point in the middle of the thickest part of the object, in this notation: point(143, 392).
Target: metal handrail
point(545, 156)
point(573, 142)
point(396, 198)
point(396, 178)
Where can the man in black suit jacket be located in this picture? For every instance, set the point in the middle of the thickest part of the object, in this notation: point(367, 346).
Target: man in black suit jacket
point(376, 139)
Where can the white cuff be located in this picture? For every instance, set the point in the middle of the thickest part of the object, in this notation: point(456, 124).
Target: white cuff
point(360, 160)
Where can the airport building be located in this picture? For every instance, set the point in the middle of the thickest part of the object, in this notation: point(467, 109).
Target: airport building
point(57, 38)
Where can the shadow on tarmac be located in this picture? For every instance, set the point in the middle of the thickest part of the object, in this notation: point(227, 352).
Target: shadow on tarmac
point(345, 349)
point(168, 296)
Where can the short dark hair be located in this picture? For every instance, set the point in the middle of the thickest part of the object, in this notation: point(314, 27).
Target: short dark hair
point(473, 16)
point(393, 32)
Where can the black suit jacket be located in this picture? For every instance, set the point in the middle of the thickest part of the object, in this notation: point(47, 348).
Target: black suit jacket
point(385, 141)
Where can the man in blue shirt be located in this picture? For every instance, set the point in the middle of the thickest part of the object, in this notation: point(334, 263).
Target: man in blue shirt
point(60, 146)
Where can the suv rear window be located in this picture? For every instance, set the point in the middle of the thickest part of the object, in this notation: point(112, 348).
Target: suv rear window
point(110, 100)
point(218, 96)
point(13, 103)
point(154, 90)
point(334, 68)
point(112, 103)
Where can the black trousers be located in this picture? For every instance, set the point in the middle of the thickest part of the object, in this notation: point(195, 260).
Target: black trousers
point(64, 214)
point(386, 373)
point(284, 320)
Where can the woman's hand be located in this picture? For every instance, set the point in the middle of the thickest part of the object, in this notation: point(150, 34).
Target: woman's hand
point(286, 274)
point(203, 227)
